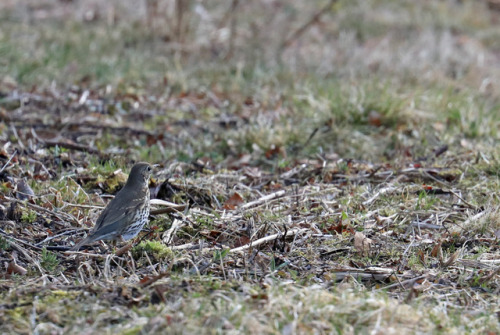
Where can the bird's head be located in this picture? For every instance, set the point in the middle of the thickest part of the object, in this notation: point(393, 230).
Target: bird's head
point(140, 173)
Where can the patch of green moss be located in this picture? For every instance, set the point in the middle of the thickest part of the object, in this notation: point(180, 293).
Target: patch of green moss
point(57, 295)
point(154, 249)
point(28, 216)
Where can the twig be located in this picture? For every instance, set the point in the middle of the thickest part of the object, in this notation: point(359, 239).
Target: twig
point(426, 225)
point(82, 206)
point(167, 237)
point(123, 250)
point(474, 217)
point(154, 279)
point(16, 135)
point(72, 231)
point(430, 176)
point(401, 283)
point(379, 193)
point(264, 199)
point(68, 144)
point(7, 236)
point(26, 254)
point(180, 9)
point(463, 200)
point(10, 158)
point(60, 216)
point(63, 143)
point(299, 32)
point(188, 246)
point(85, 254)
point(260, 241)
point(491, 261)
point(313, 133)
point(165, 210)
point(172, 207)
point(232, 28)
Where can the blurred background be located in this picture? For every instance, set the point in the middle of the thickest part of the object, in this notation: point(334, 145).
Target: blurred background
point(156, 40)
point(368, 79)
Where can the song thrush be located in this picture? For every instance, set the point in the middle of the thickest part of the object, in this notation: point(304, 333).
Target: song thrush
point(127, 213)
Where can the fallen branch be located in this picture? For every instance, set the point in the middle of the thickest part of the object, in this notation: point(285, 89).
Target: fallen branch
point(154, 279)
point(376, 273)
point(264, 199)
point(411, 280)
point(188, 246)
point(171, 207)
point(263, 240)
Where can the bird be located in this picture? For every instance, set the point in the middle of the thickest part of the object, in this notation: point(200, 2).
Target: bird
point(125, 215)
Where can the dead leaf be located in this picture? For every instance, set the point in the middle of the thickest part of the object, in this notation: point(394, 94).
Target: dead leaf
point(242, 240)
point(14, 268)
point(234, 201)
point(421, 256)
point(275, 186)
point(274, 151)
point(452, 259)
point(362, 243)
point(375, 118)
point(339, 229)
point(435, 250)
point(145, 279)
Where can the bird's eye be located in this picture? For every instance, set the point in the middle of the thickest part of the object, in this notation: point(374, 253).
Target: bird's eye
point(148, 168)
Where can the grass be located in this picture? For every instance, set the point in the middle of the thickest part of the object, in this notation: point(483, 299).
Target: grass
point(224, 309)
point(381, 119)
point(49, 261)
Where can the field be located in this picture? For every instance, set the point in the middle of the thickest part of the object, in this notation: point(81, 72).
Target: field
point(321, 167)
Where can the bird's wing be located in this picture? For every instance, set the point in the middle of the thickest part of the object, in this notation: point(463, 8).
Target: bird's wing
point(118, 209)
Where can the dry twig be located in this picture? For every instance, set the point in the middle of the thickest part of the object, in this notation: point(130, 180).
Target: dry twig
point(299, 32)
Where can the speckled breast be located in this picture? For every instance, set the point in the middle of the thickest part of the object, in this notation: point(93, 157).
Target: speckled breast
point(140, 219)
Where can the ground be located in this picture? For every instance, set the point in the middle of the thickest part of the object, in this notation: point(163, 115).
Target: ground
point(325, 167)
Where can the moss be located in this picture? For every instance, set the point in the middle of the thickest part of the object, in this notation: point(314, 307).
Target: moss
point(155, 249)
point(28, 216)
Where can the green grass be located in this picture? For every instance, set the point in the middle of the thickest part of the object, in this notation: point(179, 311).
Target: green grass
point(346, 120)
point(49, 261)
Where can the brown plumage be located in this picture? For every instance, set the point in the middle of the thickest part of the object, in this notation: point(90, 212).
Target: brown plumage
point(127, 213)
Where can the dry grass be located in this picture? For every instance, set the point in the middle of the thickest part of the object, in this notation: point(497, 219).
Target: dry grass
point(340, 179)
